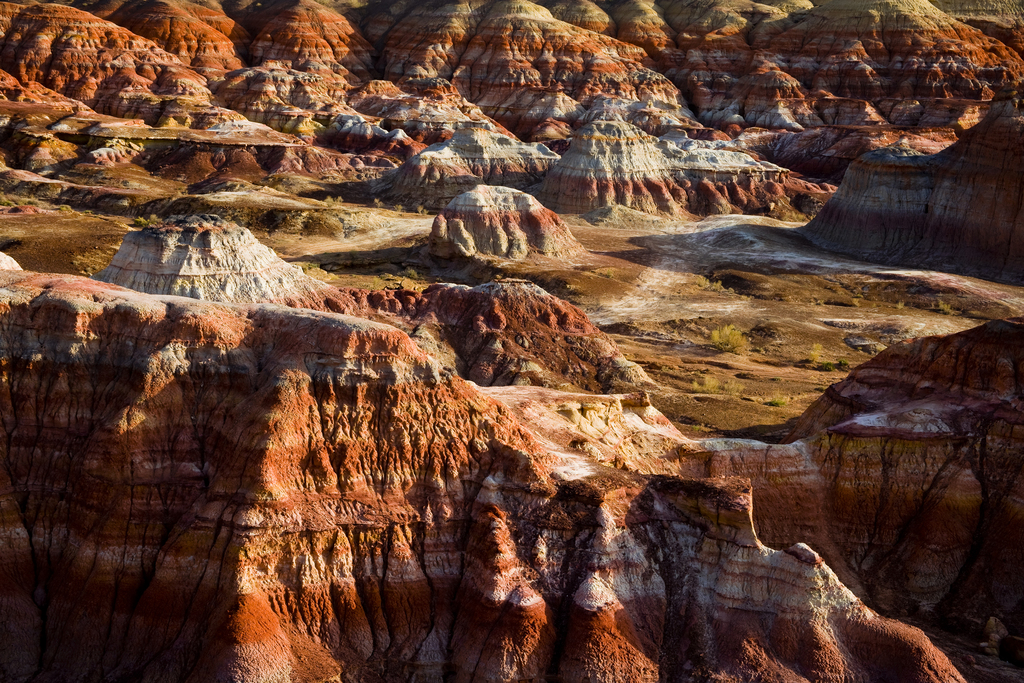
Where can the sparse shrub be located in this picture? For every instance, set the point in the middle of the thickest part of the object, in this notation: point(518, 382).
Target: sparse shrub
point(900, 305)
point(946, 309)
point(709, 285)
point(422, 210)
point(843, 364)
point(732, 388)
point(377, 203)
point(728, 338)
point(140, 222)
point(64, 208)
point(399, 208)
point(828, 366)
point(410, 273)
point(777, 401)
point(815, 355)
point(712, 385)
point(708, 385)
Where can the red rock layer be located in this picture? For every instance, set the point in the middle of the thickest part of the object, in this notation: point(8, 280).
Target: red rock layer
point(308, 36)
point(105, 66)
point(207, 40)
point(957, 210)
point(825, 153)
point(907, 478)
point(428, 110)
point(517, 62)
point(501, 333)
point(768, 64)
point(196, 491)
point(285, 99)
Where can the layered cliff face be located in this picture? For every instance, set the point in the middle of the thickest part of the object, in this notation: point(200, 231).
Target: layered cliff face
point(956, 210)
point(204, 38)
point(427, 109)
point(165, 455)
point(286, 99)
point(614, 163)
point(102, 65)
point(539, 69)
point(907, 478)
point(472, 156)
point(500, 221)
point(784, 67)
point(521, 65)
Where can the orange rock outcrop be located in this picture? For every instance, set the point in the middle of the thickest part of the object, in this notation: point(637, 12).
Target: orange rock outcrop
point(210, 491)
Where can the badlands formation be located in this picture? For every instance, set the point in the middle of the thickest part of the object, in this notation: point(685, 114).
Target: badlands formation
point(959, 209)
point(586, 341)
point(500, 221)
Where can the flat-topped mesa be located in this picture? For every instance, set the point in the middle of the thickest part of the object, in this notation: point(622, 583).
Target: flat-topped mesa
point(958, 210)
point(614, 163)
point(472, 156)
point(502, 333)
point(500, 221)
point(206, 257)
point(215, 443)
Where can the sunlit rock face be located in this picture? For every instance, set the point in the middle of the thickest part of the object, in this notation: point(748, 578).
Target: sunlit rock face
point(956, 210)
point(209, 258)
point(614, 163)
point(906, 477)
point(840, 62)
point(504, 333)
point(8, 263)
point(168, 461)
point(500, 221)
point(102, 65)
point(521, 65)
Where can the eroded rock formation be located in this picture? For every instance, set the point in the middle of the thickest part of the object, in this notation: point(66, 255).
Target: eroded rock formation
point(907, 478)
point(164, 455)
point(956, 210)
point(102, 65)
point(500, 221)
point(8, 263)
point(205, 257)
point(472, 156)
point(501, 333)
point(615, 163)
point(496, 334)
